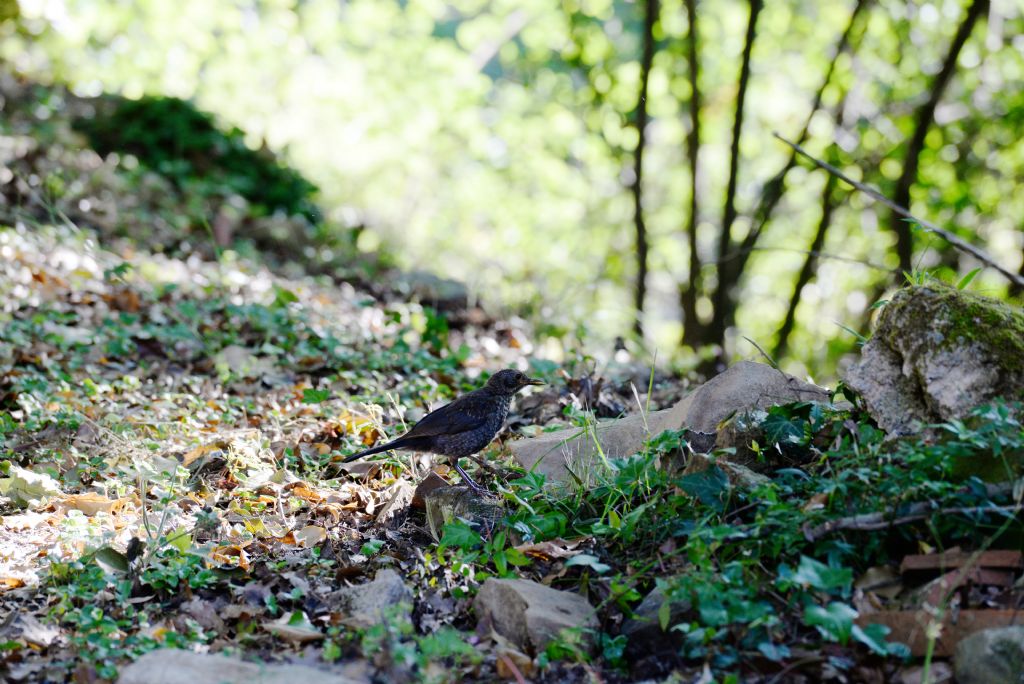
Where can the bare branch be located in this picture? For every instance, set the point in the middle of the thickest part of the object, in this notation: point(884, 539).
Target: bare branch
point(978, 253)
point(869, 522)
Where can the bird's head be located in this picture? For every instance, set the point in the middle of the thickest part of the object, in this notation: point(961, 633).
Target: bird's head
point(510, 381)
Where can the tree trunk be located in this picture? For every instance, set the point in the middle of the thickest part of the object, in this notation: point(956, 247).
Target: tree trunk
point(727, 275)
point(808, 269)
point(922, 122)
point(692, 329)
point(646, 58)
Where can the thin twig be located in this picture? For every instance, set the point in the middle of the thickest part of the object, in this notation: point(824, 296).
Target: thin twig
point(817, 254)
point(949, 237)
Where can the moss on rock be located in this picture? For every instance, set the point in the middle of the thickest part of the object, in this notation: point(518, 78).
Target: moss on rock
point(938, 353)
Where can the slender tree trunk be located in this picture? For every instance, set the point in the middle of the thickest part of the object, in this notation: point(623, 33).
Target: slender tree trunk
point(922, 123)
point(1015, 289)
point(808, 269)
point(692, 329)
point(715, 333)
point(729, 211)
point(735, 260)
point(775, 188)
point(646, 58)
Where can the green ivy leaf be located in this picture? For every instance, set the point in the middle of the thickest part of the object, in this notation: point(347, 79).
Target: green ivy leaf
point(315, 396)
point(834, 622)
point(822, 577)
point(459, 535)
point(589, 561)
point(706, 486)
point(111, 560)
point(773, 652)
point(371, 547)
point(873, 636)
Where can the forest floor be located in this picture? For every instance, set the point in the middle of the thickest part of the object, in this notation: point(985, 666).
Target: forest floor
point(173, 432)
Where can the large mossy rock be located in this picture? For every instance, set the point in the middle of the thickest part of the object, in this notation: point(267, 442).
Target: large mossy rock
point(938, 353)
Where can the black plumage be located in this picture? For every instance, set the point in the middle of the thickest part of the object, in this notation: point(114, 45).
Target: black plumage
point(463, 427)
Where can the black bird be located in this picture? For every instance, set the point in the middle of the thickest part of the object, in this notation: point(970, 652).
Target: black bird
point(463, 427)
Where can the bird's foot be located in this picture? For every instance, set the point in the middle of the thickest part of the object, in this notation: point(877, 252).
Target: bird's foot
point(469, 481)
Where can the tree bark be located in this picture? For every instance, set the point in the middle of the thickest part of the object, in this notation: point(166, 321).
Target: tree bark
point(734, 262)
point(692, 329)
point(646, 58)
point(922, 123)
point(775, 188)
point(715, 333)
point(808, 269)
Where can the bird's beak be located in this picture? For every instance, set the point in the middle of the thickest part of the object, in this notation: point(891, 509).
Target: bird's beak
point(534, 381)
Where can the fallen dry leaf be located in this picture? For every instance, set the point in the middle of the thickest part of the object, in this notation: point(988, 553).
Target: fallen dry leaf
point(90, 503)
point(234, 555)
point(295, 627)
point(309, 536)
point(548, 550)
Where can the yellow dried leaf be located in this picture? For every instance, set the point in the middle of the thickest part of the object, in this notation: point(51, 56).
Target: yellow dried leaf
point(816, 502)
point(197, 453)
point(91, 503)
point(234, 555)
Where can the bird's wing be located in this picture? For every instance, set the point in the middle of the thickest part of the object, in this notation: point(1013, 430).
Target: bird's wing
point(462, 415)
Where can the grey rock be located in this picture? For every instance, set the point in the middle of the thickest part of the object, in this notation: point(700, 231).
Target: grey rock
point(373, 602)
point(173, 666)
point(529, 614)
point(739, 475)
point(936, 354)
point(447, 503)
point(743, 387)
point(991, 656)
point(742, 430)
point(431, 290)
point(646, 637)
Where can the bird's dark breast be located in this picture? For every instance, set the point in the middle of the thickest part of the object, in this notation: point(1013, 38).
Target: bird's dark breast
point(469, 442)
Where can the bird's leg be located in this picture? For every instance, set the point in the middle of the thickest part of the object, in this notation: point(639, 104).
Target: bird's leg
point(467, 479)
point(484, 464)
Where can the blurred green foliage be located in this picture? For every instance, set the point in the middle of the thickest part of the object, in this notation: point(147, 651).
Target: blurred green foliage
point(173, 137)
point(493, 141)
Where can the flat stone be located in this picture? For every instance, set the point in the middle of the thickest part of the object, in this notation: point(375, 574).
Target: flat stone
point(743, 387)
point(373, 602)
point(430, 483)
point(445, 504)
point(991, 656)
point(529, 614)
point(739, 476)
point(646, 637)
point(174, 666)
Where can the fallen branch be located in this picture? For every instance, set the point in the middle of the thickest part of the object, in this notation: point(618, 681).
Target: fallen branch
point(949, 237)
point(868, 522)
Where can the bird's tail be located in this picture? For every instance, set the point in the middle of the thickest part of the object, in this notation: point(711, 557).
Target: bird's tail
point(399, 443)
